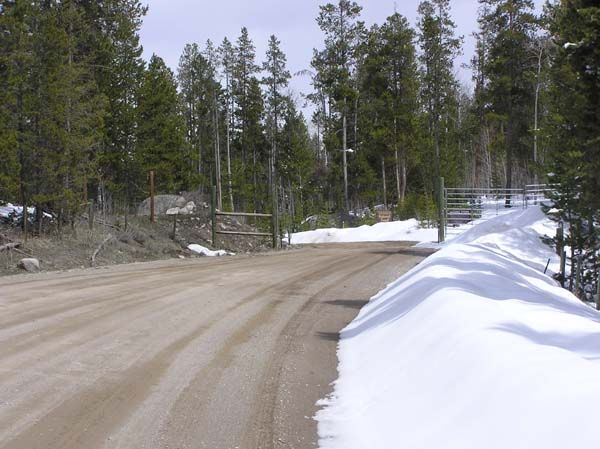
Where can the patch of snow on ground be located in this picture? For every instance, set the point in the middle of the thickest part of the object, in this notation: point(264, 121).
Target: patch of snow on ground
point(203, 251)
point(474, 348)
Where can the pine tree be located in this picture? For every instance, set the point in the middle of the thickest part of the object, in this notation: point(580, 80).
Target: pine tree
point(295, 163)
point(199, 92)
point(396, 55)
point(439, 47)
point(275, 80)
point(337, 62)
point(70, 110)
point(244, 70)
point(244, 75)
point(161, 132)
point(16, 55)
point(227, 56)
point(510, 26)
point(119, 71)
point(252, 185)
point(215, 93)
point(574, 123)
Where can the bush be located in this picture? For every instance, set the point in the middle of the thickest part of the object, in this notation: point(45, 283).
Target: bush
point(419, 206)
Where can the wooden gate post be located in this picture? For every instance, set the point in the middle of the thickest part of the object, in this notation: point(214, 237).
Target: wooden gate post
point(560, 237)
point(441, 212)
point(563, 268)
point(213, 214)
point(152, 216)
point(598, 290)
point(275, 219)
point(91, 210)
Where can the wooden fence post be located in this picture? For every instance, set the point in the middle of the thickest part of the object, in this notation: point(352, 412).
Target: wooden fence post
point(275, 219)
point(152, 216)
point(563, 268)
point(598, 290)
point(560, 237)
point(441, 212)
point(578, 274)
point(91, 215)
point(213, 214)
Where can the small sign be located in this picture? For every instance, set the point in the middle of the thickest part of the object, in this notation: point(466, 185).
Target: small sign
point(383, 216)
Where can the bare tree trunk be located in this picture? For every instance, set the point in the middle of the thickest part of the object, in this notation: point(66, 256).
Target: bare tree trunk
point(229, 186)
point(345, 160)
point(218, 162)
point(535, 116)
point(398, 189)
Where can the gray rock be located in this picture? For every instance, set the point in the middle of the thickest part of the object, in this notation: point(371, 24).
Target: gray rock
point(162, 203)
point(30, 264)
point(173, 211)
point(181, 202)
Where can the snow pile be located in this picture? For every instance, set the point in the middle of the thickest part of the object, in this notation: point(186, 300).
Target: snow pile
point(408, 230)
point(203, 251)
point(474, 348)
point(10, 210)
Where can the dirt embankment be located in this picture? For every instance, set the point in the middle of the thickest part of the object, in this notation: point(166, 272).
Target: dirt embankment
point(116, 240)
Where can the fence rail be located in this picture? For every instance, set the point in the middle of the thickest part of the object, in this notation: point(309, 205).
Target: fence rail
point(217, 213)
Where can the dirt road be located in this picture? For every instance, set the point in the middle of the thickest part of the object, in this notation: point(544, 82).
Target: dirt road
point(206, 353)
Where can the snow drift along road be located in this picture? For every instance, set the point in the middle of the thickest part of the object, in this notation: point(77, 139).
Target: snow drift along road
point(474, 348)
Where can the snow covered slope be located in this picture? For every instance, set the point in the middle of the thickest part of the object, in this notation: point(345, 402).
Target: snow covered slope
point(474, 348)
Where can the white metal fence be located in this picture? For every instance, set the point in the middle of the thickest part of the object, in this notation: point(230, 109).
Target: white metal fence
point(465, 206)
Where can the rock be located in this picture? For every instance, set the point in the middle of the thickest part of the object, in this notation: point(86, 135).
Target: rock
point(30, 264)
point(139, 237)
point(181, 202)
point(190, 207)
point(162, 203)
point(173, 211)
point(126, 237)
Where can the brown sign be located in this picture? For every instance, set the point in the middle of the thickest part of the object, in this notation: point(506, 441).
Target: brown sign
point(383, 216)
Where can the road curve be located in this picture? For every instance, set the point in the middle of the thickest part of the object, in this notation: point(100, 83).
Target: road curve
point(205, 353)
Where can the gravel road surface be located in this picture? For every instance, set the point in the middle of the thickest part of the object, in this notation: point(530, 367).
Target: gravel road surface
point(204, 353)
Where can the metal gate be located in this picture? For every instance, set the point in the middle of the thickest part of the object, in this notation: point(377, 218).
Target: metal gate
point(464, 206)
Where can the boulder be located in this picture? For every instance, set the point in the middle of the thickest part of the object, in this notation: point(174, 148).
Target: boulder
point(162, 203)
point(181, 202)
point(173, 211)
point(30, 264)
point(190, 207)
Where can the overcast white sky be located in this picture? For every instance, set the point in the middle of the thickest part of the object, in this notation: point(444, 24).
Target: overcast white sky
point(170, 24)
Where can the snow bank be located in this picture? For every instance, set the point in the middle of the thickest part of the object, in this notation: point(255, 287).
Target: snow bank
point(10, 209)
point(474, 348)
point(408, 230)
point(203, 251)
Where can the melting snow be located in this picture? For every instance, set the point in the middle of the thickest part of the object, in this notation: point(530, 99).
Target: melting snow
point(203, 251)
